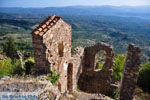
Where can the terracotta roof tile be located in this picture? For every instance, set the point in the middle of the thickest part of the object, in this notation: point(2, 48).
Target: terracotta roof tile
point(41, 33)
point(36, 32)
point(40, 29)
point(46, 25)
point(49, 20)
point(45, 30)
point(52, 24)
point(49, 26)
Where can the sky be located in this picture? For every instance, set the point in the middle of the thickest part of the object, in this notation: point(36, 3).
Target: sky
point(55, 3)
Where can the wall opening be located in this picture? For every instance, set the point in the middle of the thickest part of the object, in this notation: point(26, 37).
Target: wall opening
point(70, 77)
point(61, 49)
point(99, 60)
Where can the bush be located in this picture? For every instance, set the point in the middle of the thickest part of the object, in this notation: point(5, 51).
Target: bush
point(8, 68)
point(144, 77)
point(17, 68)
point(54, 77)
point(118, 66)
point(114, 93)
point(29, 65)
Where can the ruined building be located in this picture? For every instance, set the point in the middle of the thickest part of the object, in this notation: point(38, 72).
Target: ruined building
point(52, 49)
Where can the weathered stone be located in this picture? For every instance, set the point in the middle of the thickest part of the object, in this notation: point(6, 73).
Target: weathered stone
point(52, 49)
point(96, 81)
point(130, 73)
point(4, 78)
point(2, 57)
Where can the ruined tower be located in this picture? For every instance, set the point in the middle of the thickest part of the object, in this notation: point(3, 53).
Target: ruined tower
point(52, 47)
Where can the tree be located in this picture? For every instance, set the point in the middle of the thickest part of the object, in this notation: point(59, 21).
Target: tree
point(144, 77)
point(9, 48)
point(118, 66)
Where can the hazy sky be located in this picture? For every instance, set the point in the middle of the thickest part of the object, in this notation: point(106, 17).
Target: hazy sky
point(50, 3)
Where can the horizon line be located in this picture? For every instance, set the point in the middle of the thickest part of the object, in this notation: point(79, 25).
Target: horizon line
point(81, 5)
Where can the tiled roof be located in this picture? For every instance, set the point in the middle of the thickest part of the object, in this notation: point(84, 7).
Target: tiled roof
point(46, 25)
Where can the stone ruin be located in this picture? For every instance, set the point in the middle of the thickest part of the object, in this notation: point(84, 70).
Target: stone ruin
point(52, 49)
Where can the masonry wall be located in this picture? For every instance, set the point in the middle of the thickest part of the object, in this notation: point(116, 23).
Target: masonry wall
point(76, 60)
point(96, 81)
point(130, 73)
point(39, 48)
point(57, 41)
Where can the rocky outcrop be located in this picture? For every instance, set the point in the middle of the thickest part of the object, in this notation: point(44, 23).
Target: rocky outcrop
point(43, 87)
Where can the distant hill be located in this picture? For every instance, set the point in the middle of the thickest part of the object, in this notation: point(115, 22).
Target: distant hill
point(117, 26)
point(124, 11)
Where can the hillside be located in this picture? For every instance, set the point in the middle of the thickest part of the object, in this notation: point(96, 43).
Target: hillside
point(89, 24)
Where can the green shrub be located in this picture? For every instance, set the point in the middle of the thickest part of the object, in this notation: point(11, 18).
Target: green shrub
point(8, 68)
point(118, 66)
point(100, 65)
point(54, 77)
point(114, 93)
point(17, 69)
point(29, 65)
point(144, 77)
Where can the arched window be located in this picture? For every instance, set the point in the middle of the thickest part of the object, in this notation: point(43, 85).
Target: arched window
point(99, 60)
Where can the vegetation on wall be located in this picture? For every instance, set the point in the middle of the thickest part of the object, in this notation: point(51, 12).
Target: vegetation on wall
point(118, 66)
point(53, 77)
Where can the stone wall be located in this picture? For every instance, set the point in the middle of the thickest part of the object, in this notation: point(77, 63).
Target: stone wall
point(58, 49)
point(96, 81)
point(76, 60)
point(42, 64)
point(52, 48)
point(130, 73)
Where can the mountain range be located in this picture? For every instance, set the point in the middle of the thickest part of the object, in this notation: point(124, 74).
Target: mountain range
point(115, 25)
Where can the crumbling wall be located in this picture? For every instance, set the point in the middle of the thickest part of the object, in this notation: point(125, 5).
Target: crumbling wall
point(58, 50)
point(42, 65)
point(95, 81)
point(130, 73)
point(52, 48)
point(76, 60)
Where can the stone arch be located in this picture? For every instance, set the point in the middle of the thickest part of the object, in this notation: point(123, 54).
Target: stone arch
point(96, 81)
point(90, 53)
